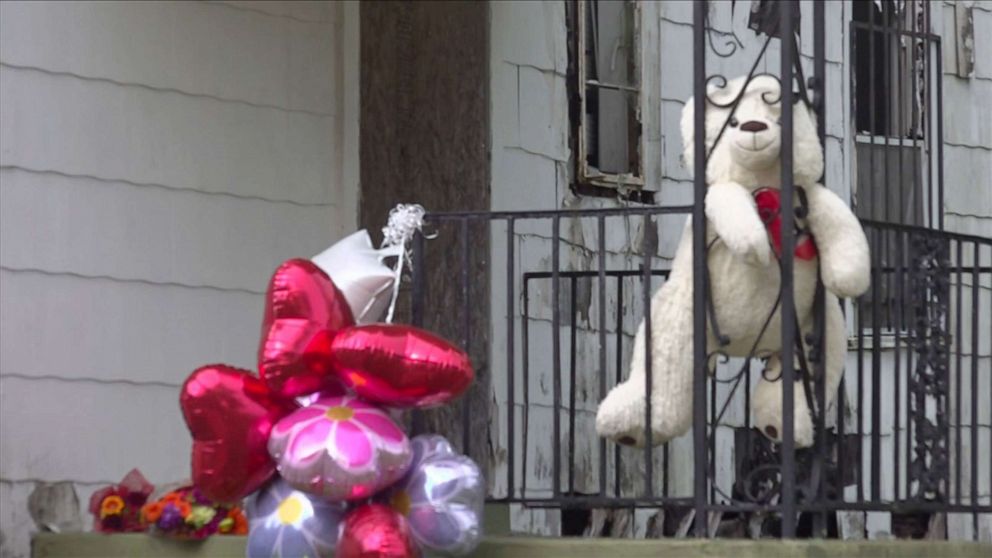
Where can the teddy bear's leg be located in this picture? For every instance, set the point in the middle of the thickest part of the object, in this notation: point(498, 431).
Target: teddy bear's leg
point(835, 349)
point(621, 416)
point(767, 404)
point(767, 397)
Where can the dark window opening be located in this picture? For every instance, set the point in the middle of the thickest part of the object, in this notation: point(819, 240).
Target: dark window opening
point(888, 69)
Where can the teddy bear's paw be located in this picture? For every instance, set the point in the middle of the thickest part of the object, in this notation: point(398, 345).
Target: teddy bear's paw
point(748, 242)
point(803, 430)
point(767, 404)
point(621, 418)
point(845, 279)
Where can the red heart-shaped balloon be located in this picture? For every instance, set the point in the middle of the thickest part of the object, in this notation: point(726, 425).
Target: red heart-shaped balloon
point(230, 413)
point(400, 366)
point(303, 312)
point(375, 530)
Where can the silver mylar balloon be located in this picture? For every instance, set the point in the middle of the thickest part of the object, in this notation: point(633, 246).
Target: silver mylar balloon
point(287, 523)
point(358, 272)
point(442, 497)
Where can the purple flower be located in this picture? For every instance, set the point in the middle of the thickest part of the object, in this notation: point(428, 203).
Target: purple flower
point(442, 497)
point(286, 523)
point(170, 518)
point(199, 498)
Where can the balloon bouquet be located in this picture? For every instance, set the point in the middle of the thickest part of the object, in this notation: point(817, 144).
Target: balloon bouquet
point(313, 440)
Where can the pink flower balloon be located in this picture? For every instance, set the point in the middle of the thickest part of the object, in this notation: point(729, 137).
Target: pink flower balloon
point(340, 448)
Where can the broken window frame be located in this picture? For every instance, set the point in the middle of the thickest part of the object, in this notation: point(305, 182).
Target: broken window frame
point(585, 173)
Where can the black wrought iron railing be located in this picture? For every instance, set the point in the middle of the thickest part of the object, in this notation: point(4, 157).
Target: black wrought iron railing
point(548, 304)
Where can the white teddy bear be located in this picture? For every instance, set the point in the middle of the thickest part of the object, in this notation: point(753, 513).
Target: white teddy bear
point(744, 271)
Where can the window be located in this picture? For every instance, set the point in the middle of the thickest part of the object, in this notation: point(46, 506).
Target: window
point(604, 69)
point(892, 113)
point(889, 102)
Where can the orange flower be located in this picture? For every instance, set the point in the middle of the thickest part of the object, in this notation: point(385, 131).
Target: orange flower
point(111, 505)
point(240, 522)
point(173, 497)
point(151, 512)
point(183, 507)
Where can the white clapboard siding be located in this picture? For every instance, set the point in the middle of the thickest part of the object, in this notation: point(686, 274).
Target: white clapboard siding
point(200, 48)
point(66, 326)
point(102, 129)
point(91, 432)
point(158, 160)
point(303, 10)
point(93, 227)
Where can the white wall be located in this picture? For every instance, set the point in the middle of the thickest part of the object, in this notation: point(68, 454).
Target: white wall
point(967, 134)
point(968, 209)
point(158, 160)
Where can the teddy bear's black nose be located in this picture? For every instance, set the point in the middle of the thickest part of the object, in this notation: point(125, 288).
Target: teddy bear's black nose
point(627, 441)
point(754, 126)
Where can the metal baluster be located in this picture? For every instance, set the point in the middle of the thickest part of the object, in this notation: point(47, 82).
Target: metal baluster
point(556, 351)
point(819, 366)
point(958, 338)
point(466, 333)
point(601, 290)
point(525, 364)
point(510, 358)
point(861, 390)
point(648, 249)
point(700, 9)
point(975, 291)
point(788, 500)
point(897, 327)
point(571, 384)
point(617, 463)
point(417, 311)
point(876, 371)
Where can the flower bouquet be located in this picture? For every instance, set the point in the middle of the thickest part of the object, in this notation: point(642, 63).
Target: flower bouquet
point(116, 508)
point(187, 514)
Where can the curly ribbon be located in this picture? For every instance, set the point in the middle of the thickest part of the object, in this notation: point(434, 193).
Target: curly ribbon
point(404, 221)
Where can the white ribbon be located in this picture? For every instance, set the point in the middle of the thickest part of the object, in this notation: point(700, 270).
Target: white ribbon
point(404, 222)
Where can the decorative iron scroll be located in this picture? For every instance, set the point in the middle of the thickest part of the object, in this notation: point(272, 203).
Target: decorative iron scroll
point(930, 278)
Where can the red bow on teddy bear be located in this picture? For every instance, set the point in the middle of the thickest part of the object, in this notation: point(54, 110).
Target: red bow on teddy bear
point(769, 202)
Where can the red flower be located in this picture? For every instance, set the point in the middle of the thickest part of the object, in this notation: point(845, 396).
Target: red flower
point(126, 499)
point(111, 523)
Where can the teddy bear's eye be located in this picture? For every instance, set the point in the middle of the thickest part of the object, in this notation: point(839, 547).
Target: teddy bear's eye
point(733, 122)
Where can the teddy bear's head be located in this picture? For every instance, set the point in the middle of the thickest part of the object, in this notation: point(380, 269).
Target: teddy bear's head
point(748, 151)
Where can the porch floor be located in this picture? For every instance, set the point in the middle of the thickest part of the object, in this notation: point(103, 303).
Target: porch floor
point(80, 545)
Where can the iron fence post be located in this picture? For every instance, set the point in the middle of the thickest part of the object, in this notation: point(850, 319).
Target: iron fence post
point(699, 269)
point(788, 470)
